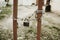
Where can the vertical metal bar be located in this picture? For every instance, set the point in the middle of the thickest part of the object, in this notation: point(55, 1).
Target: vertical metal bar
point(15, 2)
point(48, 6)
point(48, 2)
point(40, 4)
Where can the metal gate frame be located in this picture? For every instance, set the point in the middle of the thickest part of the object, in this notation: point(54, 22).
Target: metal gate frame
point(39, 14)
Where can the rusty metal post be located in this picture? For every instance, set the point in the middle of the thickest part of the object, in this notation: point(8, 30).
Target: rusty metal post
point(48, 2)
point(39, 14)
point(48, 6)
point(15, 3)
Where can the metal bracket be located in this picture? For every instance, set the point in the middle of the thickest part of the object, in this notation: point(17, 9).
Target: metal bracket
point(40, 11)
point(14, 19)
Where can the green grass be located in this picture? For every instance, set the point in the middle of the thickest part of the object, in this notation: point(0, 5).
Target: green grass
point(5, 11)
point(5, 34)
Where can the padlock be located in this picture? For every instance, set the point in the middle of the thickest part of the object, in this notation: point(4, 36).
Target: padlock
point(26, 24)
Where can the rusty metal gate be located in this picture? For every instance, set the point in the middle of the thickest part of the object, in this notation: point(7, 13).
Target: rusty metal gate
point(39, 14)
